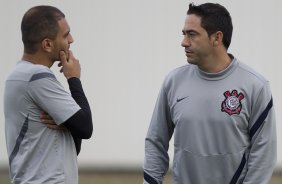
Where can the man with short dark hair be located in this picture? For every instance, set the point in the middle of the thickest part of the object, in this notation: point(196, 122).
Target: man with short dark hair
point(219, 110)
point(45, 152)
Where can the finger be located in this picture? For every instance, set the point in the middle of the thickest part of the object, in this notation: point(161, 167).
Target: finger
point(63, 58)
point(44, 113)
point(48, 122)
point(54, 127)
point(45, 116)
point(70, 55)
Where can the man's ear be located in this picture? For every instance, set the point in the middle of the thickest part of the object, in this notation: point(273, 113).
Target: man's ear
point(217, 38)
point(47, 45)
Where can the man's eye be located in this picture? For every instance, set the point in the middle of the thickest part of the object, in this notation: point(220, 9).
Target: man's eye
point(192, 34)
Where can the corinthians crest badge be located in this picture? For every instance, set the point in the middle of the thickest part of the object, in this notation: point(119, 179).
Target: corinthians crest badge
point(232, 103)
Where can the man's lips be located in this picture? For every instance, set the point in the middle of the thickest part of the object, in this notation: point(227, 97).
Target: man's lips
point(188, 52)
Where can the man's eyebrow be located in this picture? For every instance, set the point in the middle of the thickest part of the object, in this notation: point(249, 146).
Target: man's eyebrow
point(67, 33)
point(189, 31)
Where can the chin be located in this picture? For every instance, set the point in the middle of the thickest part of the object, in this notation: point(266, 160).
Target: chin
point(190, 61)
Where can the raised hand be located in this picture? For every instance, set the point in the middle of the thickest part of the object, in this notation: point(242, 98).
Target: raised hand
point(50, 123)
point(70, 65)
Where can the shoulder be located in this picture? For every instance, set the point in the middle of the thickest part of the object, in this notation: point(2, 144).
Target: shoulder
point(37, 72)
point(177, 75)
point(42, 74)
point(251, 74)
point(26, 71)
point(178, 72)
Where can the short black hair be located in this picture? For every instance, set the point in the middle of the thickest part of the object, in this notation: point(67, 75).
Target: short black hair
point(38, 23)
point(214, 17)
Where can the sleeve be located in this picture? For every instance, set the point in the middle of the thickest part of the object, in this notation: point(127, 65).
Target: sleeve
point(161, 128)
point(263, 152)
point(52, 98)
point(72, 123)
point(77, 143)
point(80, 124)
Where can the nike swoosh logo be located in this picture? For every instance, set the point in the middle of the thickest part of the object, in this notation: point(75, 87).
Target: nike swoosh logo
point(179, 99)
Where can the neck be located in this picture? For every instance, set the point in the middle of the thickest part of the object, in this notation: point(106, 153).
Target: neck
point(37, 59)
point(216, 63)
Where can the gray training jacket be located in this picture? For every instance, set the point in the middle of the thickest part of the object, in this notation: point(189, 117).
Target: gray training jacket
point(223, 126)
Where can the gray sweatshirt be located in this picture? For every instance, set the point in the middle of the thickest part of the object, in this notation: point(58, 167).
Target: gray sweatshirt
point(223, 126)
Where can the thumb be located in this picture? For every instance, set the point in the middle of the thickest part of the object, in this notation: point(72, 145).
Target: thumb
point(63, 58)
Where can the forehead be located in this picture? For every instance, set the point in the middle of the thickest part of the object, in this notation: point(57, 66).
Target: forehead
point(193, 22)
point(63, 25)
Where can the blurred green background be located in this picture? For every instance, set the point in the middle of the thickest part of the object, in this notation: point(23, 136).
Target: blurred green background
point(120, 177)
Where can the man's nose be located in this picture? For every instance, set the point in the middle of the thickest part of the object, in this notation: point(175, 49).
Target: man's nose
point(185, 42)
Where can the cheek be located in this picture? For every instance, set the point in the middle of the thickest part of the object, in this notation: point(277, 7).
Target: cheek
point(63, 45)
point(203, 45)
point(66, 44)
